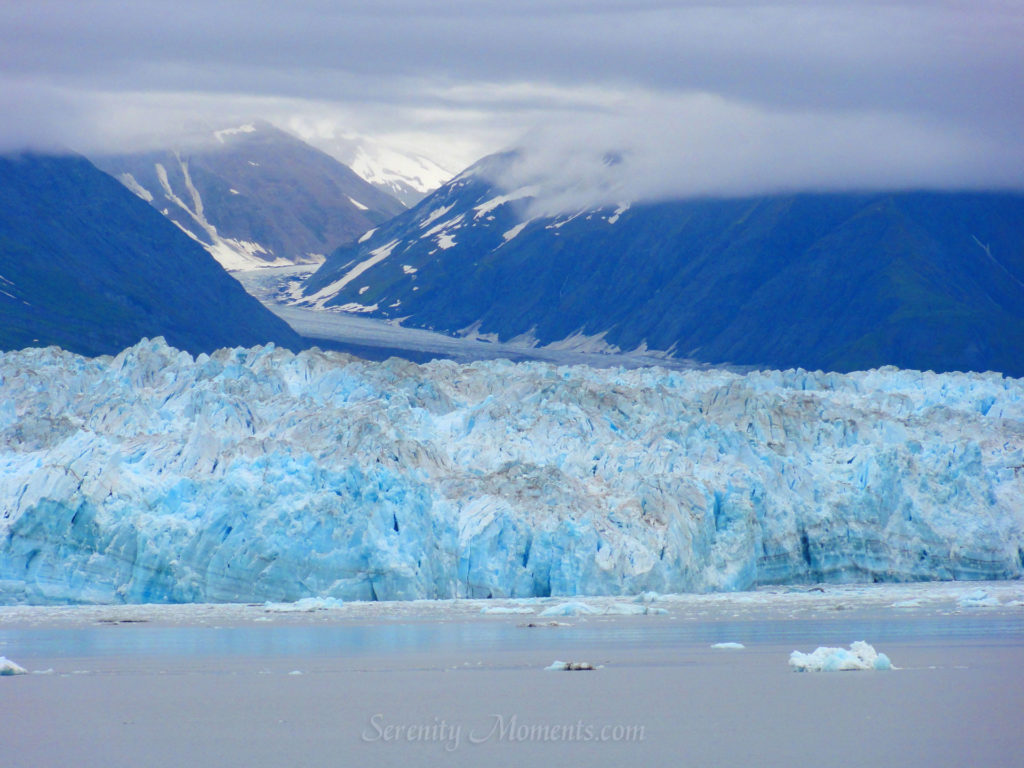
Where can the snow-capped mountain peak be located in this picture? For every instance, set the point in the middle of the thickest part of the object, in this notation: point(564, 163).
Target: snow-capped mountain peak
point(255, 196)
point(407, 176)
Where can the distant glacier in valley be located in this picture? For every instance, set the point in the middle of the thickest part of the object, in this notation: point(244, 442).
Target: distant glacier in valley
point(259, 474)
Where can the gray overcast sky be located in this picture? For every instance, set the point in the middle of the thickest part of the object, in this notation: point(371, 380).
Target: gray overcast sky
point(699, 97)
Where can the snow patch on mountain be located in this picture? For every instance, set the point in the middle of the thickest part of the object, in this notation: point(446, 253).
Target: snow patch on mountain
point(623, 207)
point(453, 223)
point(434, 215)
point(356, 308)
point(232, 254)
point(485, 208)
point(377, 255)
point(515, 231)
point(407, 176)
point(129, 181)
point(7, 284)
point(472, 333)
point(581, 342)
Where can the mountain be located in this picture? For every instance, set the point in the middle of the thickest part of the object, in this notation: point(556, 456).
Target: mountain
point(88, 266)
point(924, 280)
point(260, 475)
point(407, 177)
point(255, 195)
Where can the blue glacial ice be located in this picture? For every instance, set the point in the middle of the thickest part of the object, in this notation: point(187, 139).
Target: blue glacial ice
point(8, 667)
point(860, 657)
point(259, 475)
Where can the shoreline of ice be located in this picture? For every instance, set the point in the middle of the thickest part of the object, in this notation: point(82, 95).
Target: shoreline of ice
point(920, 598)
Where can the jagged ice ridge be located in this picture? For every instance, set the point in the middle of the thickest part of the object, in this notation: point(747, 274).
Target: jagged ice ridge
point(259, 474)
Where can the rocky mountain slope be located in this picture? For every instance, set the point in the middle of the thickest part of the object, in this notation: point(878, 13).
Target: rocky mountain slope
point(88, 266)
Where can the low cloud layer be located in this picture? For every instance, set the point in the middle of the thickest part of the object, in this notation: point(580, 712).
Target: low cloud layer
point(703, 145)
point(734, 98)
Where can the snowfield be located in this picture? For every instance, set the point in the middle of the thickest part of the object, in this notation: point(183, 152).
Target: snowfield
point(259, 475)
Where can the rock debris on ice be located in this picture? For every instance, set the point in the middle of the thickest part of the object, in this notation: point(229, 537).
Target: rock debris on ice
point(569, 666)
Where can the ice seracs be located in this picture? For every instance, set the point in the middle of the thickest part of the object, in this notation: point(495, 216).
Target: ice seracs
point(256, 475)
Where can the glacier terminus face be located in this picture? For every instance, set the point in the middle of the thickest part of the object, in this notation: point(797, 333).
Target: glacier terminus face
point(258, 474)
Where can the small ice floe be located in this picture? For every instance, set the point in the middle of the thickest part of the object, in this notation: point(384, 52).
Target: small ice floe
point(296, 672)
point(648, 597)
point(632, 609)
point(536, 624)
point(626, 609)
point(48, 671)
point(8, 667)
point(915, 603)
point(729, 646)
point(569, 666)
point(860, 656)
point(505, 609)
point(979, 598)
point(570, 609)
point(306, 604)
point(576, 608)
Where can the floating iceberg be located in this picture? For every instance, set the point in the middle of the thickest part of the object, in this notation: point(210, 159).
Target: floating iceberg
point(729, 646)
point(254, 475)
point(570, 609)
point(978, 598)
point(305, 605)
point(8, 667)
point(860, 656)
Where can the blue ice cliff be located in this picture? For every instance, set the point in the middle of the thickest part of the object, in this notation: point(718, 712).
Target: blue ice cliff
point(258, 474)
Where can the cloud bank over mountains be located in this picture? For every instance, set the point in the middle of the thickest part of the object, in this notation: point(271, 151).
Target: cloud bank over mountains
point(704, 145)
point(731, 98)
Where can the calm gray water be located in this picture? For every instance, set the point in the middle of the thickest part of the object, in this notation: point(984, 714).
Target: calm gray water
point(505, 634)
point(320, 691)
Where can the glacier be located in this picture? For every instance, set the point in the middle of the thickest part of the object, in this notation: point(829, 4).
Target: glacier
point(256, 475)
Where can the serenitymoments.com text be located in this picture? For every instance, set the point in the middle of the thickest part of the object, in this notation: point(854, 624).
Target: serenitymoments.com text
point(496, 728)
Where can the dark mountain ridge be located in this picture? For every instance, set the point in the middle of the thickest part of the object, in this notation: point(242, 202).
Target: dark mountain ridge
point(88, 266)
point(842, 281)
